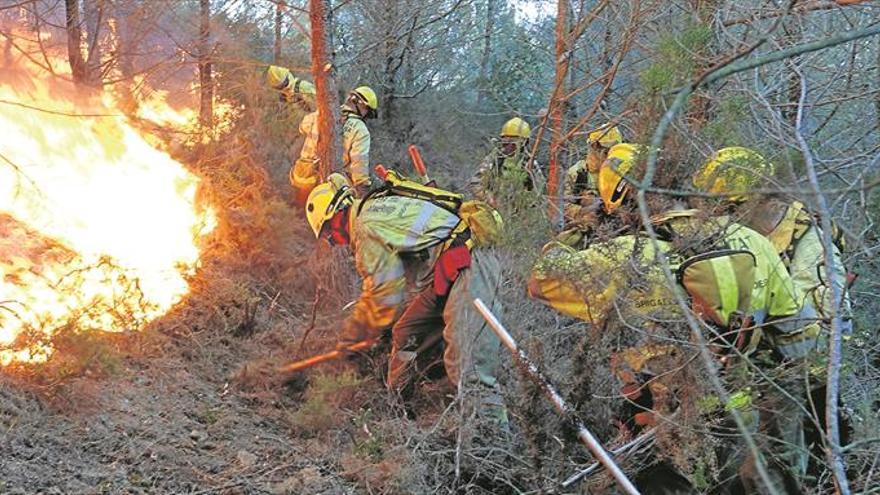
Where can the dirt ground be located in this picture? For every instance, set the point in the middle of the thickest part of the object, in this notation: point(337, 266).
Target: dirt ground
point(170, 420)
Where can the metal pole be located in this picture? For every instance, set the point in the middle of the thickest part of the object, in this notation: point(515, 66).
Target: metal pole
point(536, 376)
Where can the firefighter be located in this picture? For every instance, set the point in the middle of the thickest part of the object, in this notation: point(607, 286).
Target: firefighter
point(396, 239)
point(360, 106)
point(503, 174)
point(581, 197)
point(291, 88)
point(734, 279)
point(733, 173)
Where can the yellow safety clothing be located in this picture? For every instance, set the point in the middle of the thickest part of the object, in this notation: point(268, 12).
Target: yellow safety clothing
point(397, 242)
point(797, 237)
point(368, 95)
point(611, 182)
point(355, 147)
point(500, 176)
point(292, 88)
point(620, 275)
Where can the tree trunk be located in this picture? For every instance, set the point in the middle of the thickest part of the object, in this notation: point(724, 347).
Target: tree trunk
point(279, 10)
point(94, 18)
point(74, 41)
point(128, 27)
point(206, 83)
point(324, 73)
point(487, 54)
point(557, 113)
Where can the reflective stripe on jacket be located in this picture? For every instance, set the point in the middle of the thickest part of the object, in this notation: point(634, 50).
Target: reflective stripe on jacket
point(394, 239)
point(355, 146)
point(356, 149)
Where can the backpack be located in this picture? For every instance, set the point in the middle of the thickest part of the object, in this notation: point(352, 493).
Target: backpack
point(484, 222)
point(719, 285)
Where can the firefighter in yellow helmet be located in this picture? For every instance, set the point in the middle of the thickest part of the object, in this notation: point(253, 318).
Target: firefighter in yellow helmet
point(291, 88)
point(360, 106)
point(734, 173)
point(581, 178)
point(503, 174)
point(410, 246)
point(731, 274)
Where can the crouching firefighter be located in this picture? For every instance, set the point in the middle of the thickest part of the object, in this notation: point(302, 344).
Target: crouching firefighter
point(413, 239)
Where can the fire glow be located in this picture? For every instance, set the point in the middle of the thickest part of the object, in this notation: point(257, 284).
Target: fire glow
point(98, 229)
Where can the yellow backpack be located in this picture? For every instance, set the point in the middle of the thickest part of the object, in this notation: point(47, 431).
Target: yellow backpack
point(719, 285)
point(484, 222)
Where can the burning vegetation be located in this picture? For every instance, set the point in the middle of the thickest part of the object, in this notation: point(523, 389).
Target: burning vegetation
point(100, 227)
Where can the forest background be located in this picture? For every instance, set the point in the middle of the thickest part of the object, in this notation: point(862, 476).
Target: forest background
point(448, 73)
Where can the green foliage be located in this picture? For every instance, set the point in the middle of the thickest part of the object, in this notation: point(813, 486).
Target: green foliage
point(325, 397)
point(725, 129)
point(678, 57)
point(373, 446)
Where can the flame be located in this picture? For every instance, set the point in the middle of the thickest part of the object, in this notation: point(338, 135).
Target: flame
point(98, 229)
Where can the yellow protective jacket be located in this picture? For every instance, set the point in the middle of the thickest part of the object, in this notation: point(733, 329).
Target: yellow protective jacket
point(497, 171)
point(798, 240)
point(299, 90)
point(774, 294)
point(622, 275)
point(616, 277)
point(355, 145)
point(396, 242)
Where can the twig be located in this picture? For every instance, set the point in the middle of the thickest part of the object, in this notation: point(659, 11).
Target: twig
point(651, 167)
point(318, 292)
point(632, 446)
point(835, 456)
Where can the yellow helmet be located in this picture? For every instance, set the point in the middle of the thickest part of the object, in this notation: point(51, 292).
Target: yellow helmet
point(734, 172)
point(277, 77)
point(516, 127)
point(326, 199)
point(368, 95)
point(607, 136)
point(611, 183)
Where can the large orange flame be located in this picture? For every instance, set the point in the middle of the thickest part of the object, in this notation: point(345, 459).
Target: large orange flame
point(98, 229)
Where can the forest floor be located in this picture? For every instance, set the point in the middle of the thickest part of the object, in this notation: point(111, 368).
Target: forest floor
point(163, 416)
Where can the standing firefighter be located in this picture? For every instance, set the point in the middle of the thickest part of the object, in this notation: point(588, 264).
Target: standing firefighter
point(291, 88)
point(734, 173)
point(361, 105)
point(408, 232)
point(503, 173)
point(580, 189)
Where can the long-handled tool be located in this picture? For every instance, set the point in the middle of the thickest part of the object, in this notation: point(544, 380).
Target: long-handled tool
point(419, 164)
point(534, 374)
point(327, 356)
point(363, 345)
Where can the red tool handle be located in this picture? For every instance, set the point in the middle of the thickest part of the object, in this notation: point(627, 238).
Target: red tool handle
point(417, 161)
point(381, 172)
